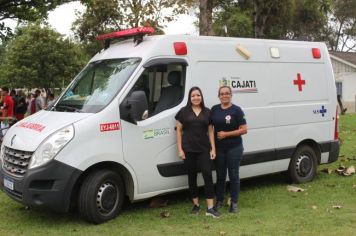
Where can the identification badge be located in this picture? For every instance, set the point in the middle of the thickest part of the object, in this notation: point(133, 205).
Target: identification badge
point(227, 119)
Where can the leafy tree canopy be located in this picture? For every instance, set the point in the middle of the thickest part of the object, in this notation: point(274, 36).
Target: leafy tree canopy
point(288, 19)
point(38, 56)
point(24, 10)
point(342, 27)
point(102, 16)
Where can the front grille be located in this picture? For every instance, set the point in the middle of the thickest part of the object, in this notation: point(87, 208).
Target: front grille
point(16, 161)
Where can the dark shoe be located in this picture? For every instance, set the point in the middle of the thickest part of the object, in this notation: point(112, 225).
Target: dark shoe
point(195, 210)
point(218, 205)
point(212, 212)
point(233, 207)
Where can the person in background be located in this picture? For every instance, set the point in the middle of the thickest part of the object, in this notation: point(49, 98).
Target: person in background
point(21, 107)
point(229, 125)
point(39, 101)
point(7, 110)
point(1, 103)
point(33, 104)
point(29, 97)
point(15, 98)
point(50, 100)
point(195, 142)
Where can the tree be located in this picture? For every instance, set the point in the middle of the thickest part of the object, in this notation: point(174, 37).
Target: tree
point(39, 57)
point(2, 51)
point(205, 17)
point(288, 19)
point(309, 20)
point(231, 20)
point(25, 10)
point(102, 16)
point(342, 26)
point(271, 18)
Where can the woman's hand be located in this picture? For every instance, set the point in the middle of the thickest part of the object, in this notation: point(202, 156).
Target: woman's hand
point(181, 154)
point(221, 135)
point(212, 154)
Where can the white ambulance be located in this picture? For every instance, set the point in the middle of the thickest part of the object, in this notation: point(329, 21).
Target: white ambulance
point(112, 133)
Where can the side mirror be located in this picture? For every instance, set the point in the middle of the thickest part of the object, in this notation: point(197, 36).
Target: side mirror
point(134, 107)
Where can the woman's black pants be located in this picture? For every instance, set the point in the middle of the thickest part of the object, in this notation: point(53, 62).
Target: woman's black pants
point(193, 162)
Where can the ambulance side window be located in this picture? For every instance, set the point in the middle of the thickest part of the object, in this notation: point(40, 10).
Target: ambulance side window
point(163, 86)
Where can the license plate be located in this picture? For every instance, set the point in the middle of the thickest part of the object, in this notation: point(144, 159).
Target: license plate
point(8, 183)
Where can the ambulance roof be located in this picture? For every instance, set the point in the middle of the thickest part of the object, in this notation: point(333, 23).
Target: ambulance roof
point(212, 48)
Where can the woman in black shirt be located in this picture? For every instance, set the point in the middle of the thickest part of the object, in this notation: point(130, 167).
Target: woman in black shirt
point(229, 124)
point(195, 141)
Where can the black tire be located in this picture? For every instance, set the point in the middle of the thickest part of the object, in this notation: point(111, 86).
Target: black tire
point(303, 165)
point(101, 196)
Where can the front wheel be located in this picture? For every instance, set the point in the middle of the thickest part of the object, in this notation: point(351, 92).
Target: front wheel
point(101, 196)
point(303, 165)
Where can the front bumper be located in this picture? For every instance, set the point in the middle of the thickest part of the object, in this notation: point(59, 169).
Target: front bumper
point(49, 186)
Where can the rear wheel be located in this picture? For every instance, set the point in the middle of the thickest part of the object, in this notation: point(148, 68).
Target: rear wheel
point(303, 165)
point(101, 196)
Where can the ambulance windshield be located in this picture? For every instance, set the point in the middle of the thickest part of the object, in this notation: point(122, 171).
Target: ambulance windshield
point(96, 85)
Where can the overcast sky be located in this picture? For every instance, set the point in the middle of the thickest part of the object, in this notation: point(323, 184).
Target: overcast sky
point(63, 16)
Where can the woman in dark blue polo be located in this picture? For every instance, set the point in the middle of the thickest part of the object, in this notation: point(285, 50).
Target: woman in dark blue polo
point(229, 125)
point(196, 146)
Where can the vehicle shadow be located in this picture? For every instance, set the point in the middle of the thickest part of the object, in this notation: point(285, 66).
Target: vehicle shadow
point(182, 196)
point(46, 217)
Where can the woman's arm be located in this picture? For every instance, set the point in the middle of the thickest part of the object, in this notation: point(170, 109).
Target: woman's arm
point(179, 140)
point(212, 142)
point(237, 132)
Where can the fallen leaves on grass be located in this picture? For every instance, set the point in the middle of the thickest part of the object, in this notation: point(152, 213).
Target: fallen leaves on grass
point(165, 214)
point(228, 202)
point(342, 170)
point(349, 171)
point(328, 210)
point(294, 189)
point(327, 170)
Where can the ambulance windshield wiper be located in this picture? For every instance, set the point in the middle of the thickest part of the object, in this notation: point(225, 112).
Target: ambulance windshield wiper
point(67, 108)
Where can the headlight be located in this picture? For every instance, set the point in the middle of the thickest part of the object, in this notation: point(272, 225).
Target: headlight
point(49, 148)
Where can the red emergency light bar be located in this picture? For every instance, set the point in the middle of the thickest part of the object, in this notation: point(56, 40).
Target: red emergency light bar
point(126, 33)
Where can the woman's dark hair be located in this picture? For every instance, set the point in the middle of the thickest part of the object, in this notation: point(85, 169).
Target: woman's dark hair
point(224, 86)
point(189, 103)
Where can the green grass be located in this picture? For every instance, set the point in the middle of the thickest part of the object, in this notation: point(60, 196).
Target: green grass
point(266, 208)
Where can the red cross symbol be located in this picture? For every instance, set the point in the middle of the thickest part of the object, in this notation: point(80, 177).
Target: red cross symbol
point(299, 82)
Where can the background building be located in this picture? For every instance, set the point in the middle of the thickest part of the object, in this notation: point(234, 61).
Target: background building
point(344, 65)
